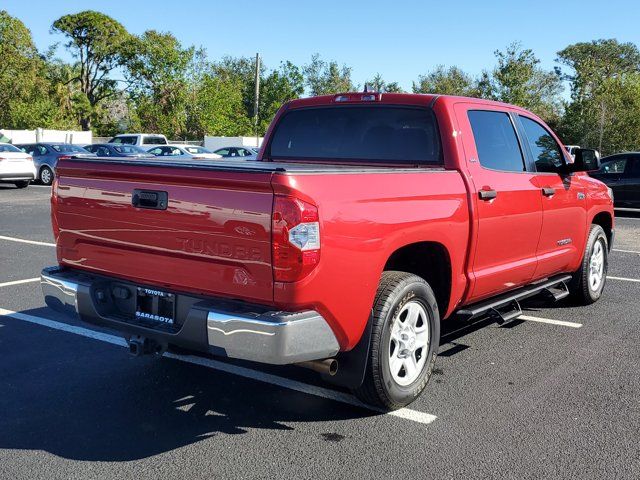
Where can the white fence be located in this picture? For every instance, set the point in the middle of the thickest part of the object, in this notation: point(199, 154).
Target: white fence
point(42, 135)
point(213, 143)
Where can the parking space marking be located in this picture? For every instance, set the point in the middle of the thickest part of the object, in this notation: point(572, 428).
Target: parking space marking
point(20, 282)
point(22, 240)
point(636, 280)
point(405, 413)
point(549, 321)
point(625, 251)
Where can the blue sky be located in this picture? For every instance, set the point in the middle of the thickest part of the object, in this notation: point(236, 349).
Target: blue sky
point(400, 39)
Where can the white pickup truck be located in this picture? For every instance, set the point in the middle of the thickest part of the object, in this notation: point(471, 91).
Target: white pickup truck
point(140, 139)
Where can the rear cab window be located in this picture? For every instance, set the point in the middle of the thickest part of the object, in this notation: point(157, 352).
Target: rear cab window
point(124, 139)
point(154, 140)
point(354, 133)
point(496, 141)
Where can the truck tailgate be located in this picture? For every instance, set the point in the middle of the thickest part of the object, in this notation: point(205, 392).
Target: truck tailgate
point(213, 238)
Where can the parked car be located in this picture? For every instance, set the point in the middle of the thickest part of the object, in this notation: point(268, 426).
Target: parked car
point(621, 172)
point(140, 139)
point(16, 166)
point(183, 152)
point(117, 150)
point(245, 153)
point(46, 155)
point(367, 221)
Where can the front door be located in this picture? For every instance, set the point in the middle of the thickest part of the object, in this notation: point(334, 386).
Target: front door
point(564, 204)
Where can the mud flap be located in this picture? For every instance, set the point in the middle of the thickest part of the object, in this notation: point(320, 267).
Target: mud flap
point(352, 365)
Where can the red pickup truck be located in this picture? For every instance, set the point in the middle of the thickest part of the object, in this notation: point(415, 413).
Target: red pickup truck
point(367, 220)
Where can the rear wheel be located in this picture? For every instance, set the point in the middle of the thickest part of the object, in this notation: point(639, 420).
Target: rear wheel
point(404, 341)
point(46, 176)
point(22, 183)
point(589, 281)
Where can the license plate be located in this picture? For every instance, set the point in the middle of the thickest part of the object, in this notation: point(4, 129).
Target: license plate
point(155, 306)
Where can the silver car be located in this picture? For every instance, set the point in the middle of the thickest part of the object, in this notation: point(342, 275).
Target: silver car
point(183, 152)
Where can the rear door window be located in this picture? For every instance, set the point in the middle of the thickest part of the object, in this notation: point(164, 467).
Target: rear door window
point(386, 134)
point(496, 141)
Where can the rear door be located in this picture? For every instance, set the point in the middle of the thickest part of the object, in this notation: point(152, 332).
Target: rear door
point(508, 203)
point(564, 207)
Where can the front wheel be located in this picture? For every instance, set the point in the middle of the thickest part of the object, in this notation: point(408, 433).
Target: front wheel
point(588, 282)
point(404, 341)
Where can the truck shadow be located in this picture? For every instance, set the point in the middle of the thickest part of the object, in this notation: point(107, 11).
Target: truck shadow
point(86, 400)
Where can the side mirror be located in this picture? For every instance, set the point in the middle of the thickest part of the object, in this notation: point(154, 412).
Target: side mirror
point(586, 160)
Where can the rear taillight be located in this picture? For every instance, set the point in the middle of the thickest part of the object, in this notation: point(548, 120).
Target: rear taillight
point(64, 157)
point(296, 238)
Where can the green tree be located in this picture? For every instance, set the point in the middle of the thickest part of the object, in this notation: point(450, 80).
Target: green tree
point(24, 100)
point(323, 78)
point(218, 108)
point(603, 75)
point(279, 86)
point(158, 69)
point(518, 79)
point(378, 84)
point(99, 43)
point(446, 81)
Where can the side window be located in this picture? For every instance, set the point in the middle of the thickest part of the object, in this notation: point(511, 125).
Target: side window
point(546, 151)
point(614, 167)
point(104, 152)
point(42, 150)
point(155, 151)
point(496, 141)
point(224, 152)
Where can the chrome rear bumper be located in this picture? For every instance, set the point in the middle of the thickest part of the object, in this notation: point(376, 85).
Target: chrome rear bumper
point(273, 337)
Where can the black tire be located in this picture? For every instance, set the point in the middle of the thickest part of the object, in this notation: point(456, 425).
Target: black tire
point(46, 176)
point(395, 291)
point(581, 288)
point(22, 183)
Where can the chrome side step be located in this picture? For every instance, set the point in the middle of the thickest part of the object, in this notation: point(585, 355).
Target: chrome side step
point(506, 307)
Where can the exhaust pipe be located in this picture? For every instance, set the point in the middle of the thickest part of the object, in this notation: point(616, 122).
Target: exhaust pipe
point(328, 366)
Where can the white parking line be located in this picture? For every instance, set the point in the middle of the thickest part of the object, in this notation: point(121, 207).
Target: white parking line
point(550, 321)
point(22, 240)
point(19, 282)
point(406, 413)
point(636, 280)
point(625, 251)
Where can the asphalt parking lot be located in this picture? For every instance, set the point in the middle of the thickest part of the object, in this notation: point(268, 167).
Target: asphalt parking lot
point(553, 395)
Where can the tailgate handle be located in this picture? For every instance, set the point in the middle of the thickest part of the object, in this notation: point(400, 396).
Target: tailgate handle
point(151, 199)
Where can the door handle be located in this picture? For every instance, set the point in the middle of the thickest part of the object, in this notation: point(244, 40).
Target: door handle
point(151, 199)
point(548, 191)
point(487, 194)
